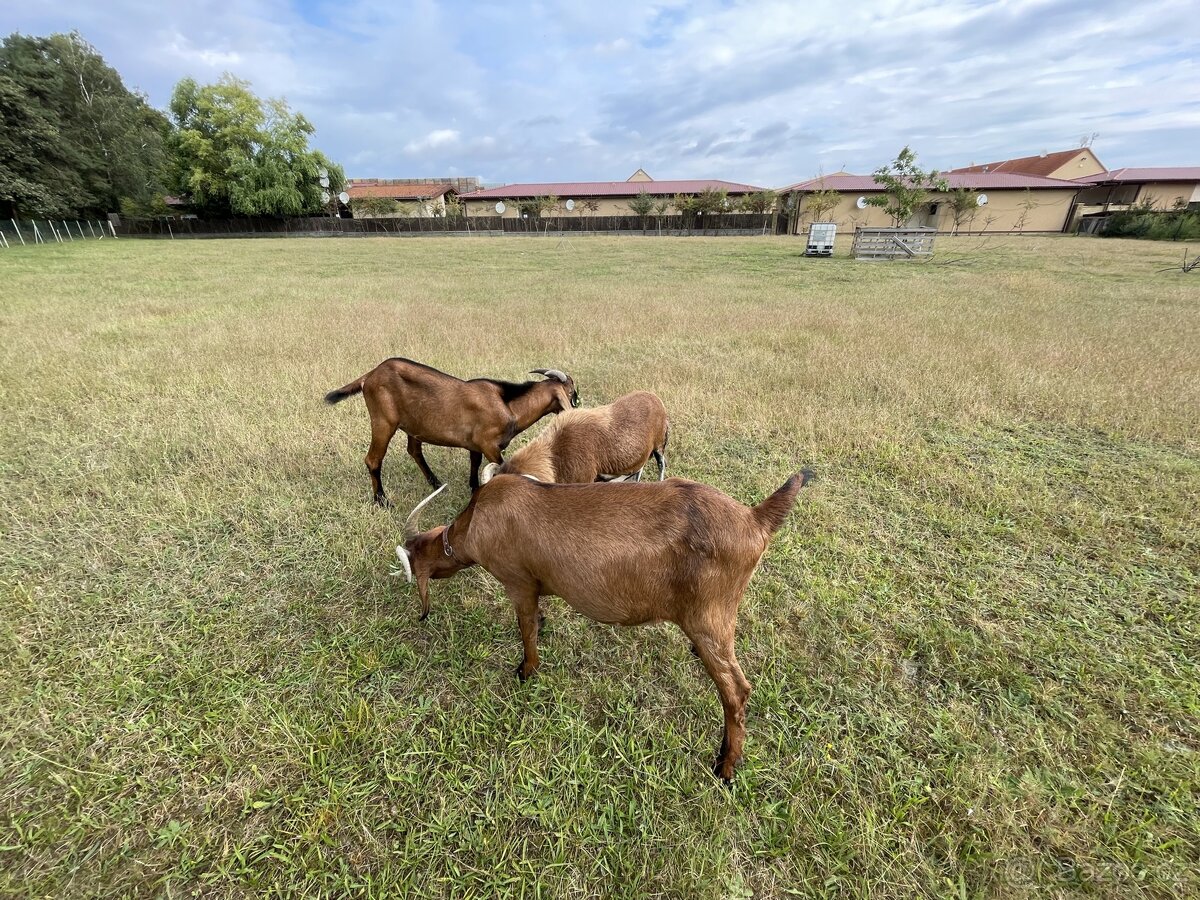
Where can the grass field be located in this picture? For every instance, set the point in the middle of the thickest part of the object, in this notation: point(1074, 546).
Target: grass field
point(974, 645)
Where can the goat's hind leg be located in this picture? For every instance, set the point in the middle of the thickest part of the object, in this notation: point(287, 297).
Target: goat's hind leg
point(716, 651)
point(381, 436)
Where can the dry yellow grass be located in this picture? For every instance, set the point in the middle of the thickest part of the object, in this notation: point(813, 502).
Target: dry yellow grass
point(973, 646)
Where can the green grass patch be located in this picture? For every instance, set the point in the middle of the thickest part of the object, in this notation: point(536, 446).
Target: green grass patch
point(973, 646)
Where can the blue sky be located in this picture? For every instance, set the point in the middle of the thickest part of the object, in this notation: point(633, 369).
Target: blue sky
point(765, 93)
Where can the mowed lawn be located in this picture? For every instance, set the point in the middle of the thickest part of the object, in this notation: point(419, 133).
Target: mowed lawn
point(974, 645)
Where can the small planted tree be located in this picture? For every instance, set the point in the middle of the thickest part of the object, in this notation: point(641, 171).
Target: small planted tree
point(906, 186)
point(819, 204)
point(964, 205)
point(710, 203)
point(760, 202)
point(641, 206)
point(687, 206)
point(373, 207)
point(661, 208)
point(1028, 205)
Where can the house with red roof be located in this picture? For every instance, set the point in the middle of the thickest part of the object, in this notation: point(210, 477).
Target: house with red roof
point(410, 197)
point(601, 198)
point(1005, 202)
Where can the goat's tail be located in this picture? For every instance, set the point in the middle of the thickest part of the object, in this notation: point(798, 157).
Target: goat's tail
point(772, 511)
point(354, 387)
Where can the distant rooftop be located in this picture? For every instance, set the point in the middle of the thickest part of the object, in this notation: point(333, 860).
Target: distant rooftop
point(1042, 164)
point(1153, 173)
point(568, 189)
point(359, 188)
point(970, 180)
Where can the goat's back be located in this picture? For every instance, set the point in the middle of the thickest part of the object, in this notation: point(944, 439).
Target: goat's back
point(621, 553)
point(580, 444)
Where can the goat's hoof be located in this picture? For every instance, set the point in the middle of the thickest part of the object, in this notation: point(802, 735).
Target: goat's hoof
point(724, 770)
point(520, 672)
point(541, 624)
point(382, 501)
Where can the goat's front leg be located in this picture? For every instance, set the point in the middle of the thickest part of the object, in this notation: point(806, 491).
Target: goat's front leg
point(525, 603)
point(418, 455)
point(476, 461)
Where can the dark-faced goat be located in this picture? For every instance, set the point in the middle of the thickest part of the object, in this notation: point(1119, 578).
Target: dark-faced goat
point(624, 554)
point(481, 415)
point(581, 445)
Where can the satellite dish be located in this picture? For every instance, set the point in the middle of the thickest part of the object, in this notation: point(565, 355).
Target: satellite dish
point(324, 181)
point(500, 207)
point(344, 197)
point(322, 173)
point(324, 196)
point(981, 200)
point(861, 203)
point(570, 204)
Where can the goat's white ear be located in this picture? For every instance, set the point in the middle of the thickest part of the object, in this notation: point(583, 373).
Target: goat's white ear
point(402, 554)
point(488, 473)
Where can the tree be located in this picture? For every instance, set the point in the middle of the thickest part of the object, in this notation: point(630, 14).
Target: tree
point(760, 202)
point(906, 186)
point(711, 202)
point(86, 142)
point(641, 206)
point(660, 209)
point(688, 207)
point(1028, 205)
point(236, 154)
point(964, 204)
point(819, 204)
point(373, 207)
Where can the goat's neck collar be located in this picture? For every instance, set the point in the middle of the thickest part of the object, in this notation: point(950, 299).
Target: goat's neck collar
point(448, 550)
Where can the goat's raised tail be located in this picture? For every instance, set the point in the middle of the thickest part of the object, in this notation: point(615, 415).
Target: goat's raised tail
point(772, 511)
point(354, 387)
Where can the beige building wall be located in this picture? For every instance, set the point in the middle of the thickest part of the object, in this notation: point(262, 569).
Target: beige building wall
point(409, 209)
point(1080, 165)
point(1163, 194)
point(605, 207)
point(1003, 213)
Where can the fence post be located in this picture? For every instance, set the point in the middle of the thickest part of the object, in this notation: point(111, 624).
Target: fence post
point(110, 228)
point(67, 230)
point(3, 240)
point(18, 229)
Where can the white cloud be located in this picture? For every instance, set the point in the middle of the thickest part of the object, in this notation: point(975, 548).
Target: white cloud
point(761, 92)
point(441, 137)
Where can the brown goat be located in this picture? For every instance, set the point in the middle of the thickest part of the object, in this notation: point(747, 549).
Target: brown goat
point(582, 445)
point(624, 554)
point(481, 415)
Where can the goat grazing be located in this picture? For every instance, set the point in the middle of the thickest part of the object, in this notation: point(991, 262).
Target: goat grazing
point(623, 554)
point(481, 415)
point(612, 442)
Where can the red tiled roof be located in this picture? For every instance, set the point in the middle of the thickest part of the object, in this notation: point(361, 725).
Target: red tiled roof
point(1161, 173)
point(397, 191)
point(571, 189)
point(991, 181)
point(1028, 165)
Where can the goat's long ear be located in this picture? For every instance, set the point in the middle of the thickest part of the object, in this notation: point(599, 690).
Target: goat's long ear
point(488, 473)
point(404, 561)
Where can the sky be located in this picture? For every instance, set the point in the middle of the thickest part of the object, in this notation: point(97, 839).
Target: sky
point(761, 93)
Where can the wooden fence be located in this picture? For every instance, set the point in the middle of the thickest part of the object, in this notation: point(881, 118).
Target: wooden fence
point(893, 243)
point(725, 224)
